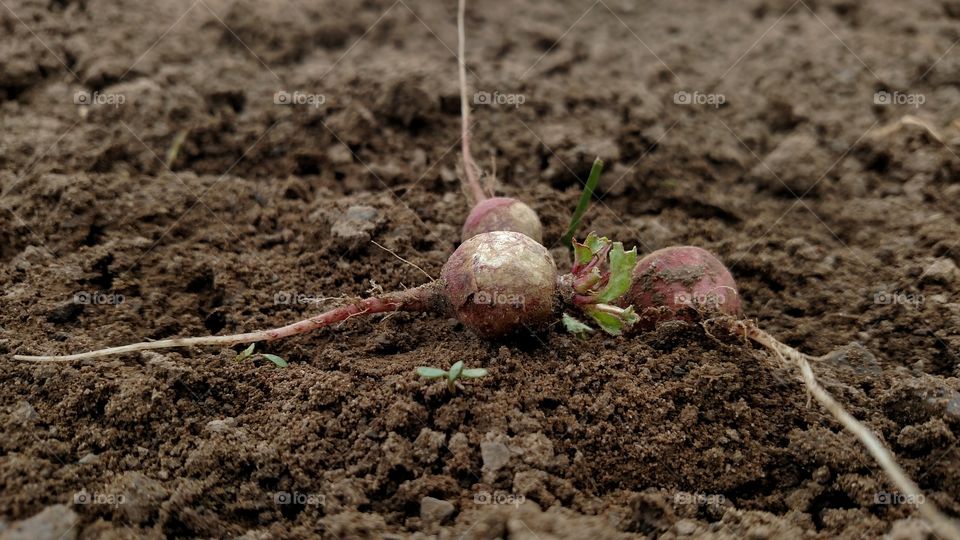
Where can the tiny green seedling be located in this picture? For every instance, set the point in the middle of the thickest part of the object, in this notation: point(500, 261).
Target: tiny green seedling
point(455, 372)
point(248, 352)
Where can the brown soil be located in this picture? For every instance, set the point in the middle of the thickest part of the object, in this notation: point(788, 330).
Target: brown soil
point(670, 432)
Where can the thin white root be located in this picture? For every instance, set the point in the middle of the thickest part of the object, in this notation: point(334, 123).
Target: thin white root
point(909, 120)
point(942, 525)
point(394, 253)
point(470, 169)
point(147, 345)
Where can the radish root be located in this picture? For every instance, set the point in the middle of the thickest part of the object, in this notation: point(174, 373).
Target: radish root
point(942, 525)
point(419, 299)
point(470, 168)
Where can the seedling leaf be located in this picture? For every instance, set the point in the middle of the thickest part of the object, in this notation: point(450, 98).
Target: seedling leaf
point(610, 323)
point(431, 372)
point(473, 373)
point(581, 253)
point(596, 243)
point(244, 354)
point(574, 326)
point(621, 273)
point(583, 203)
point(591, 246)
point(455, 371)
point(280, 362)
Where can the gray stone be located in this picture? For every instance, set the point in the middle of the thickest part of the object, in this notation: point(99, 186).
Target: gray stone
point(355, 225)
point(55, 522)
point(943, 271)
point(685, 527)
point(795, 165)
point(435, 510)
point(141, 496)
point(25, 413)
point(495, 455)
point(221, 425)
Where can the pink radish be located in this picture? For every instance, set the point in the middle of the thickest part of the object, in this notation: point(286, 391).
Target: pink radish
point(502, 214)
point(681, 283)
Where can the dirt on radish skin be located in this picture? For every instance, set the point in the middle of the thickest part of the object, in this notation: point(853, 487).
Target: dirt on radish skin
point(681, 283)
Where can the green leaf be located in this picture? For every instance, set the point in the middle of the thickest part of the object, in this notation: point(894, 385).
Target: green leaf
point(581, 253)
point(621, 273)
point(280, 362)
point(596, 243)
point(244, 354)
point(583, 203)
point(431, 372)
point(574, 326)
point(455, 371)
point(474, 373)
point(591, 246)
point(610, 323)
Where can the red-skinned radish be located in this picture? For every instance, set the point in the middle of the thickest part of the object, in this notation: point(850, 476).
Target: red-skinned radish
point(502, 214)
point(681, 283)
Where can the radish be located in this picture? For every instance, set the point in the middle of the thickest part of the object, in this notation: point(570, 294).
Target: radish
point(690, 284)
point(502, 214)
point(496, 283)
point(500, 282)
point(488, 214)
point(681, 283)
